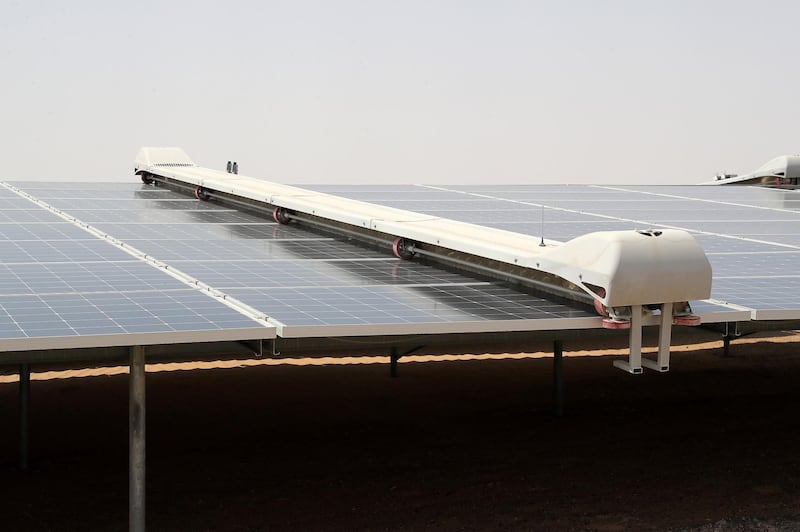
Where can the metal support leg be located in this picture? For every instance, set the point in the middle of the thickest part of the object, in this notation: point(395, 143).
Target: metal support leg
point(393, 358)
point(634, 363)
point(24, 410)
point(558, 378)
point(136, 404)
point(731, 332)
point(726, 339)
point(664, 341)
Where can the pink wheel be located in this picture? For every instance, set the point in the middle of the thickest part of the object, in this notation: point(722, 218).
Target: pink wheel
point(281, 215)
point(600, 308)
point(400, 248)
point(688, 321)
point(201, 194)
point(610, 323)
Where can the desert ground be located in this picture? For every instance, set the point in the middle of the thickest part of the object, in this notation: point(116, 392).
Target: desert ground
point(448, 445)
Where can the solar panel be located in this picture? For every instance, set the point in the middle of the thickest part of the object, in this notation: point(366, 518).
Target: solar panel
point(306, 283)
point(50, 231)
point(162, 216)
point(412, 309)
point(40, 251)
point(241, 249)
point(120, 313)
point(172, 203)
point(24, 216)
point(58, 277)
point(133, 231)
point(61, 287)
point(316, 273)
point(744, 230)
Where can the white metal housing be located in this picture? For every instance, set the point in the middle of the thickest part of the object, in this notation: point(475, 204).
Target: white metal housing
point(778, 171)
point(631, 267)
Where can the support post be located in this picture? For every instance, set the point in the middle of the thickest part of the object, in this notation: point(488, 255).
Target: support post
point(136, 406)
point(661, 364)
point(634, 362)
point(726, 340)
point(558, 378)
point(729, 336)
point(24, 411)
point(393, 358)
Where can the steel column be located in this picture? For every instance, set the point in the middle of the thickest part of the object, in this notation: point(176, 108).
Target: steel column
point(136, 411)
point(729, 336)
point(558, 378)
point(24, 411)
point(393, 358)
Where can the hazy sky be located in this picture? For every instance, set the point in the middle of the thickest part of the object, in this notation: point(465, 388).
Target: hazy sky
point(403, 91)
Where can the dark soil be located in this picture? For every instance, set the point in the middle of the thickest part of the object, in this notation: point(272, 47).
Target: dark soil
point(712, 445)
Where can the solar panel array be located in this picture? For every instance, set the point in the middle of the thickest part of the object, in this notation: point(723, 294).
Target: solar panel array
point(749, 233)
point(61, 286)
point(309, 285)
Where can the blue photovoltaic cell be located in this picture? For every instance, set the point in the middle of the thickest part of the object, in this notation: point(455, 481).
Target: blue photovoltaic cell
point(55, 315)
point(27, 216)
point(57, 280)
point(165, 216)
point(564, 231)
point(49, 231)
point(761, 293)
point(744, 264)
point(254, 249)
point(317, 273)
point(41, 251)
point(195, 231)
point(180, 203)
point(56, 277)
point(15, 203)
point(784, 240)
point(719, 244)
point(392, 305)
point(55, 191)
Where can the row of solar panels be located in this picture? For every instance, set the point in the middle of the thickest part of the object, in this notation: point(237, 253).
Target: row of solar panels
point(66, 286)
point(235, 275)
point(750, 234)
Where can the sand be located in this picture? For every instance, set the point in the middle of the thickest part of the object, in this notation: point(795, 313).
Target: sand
point(449, 445)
